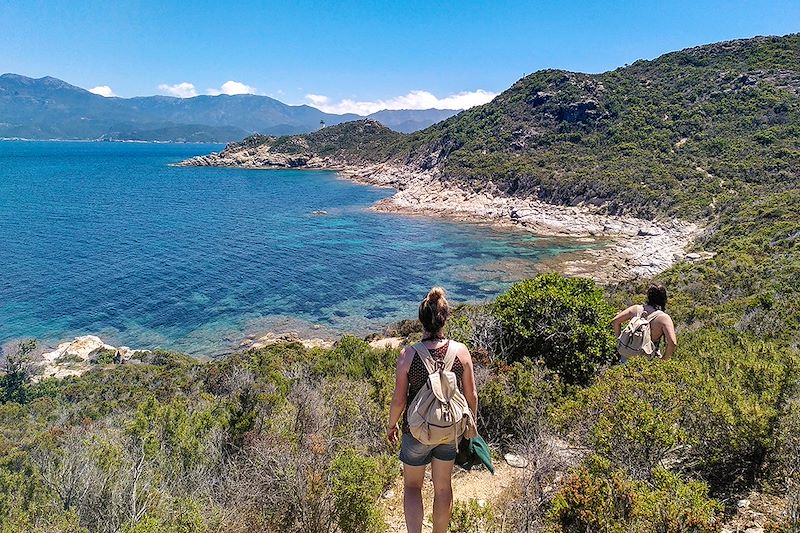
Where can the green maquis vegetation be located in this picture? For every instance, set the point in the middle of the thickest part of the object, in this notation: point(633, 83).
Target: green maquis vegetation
point(287, 438)
point(291, 439)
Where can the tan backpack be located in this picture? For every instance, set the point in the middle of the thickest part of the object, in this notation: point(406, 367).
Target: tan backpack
point(635, 339)
point(439, 413)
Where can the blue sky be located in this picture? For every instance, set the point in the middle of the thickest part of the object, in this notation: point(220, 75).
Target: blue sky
point(340, 54)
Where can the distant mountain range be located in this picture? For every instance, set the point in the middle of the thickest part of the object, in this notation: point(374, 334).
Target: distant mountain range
point(49, 108)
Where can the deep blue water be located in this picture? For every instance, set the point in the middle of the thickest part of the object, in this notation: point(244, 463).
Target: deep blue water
point(108, 239)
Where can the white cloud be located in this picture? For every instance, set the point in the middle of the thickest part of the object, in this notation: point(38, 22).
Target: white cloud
point(318, 100)
point(181, 90)
point(232, 87)
point(412, 100)
point(102, 90)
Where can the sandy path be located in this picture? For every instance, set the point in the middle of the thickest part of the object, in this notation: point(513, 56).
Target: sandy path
point(477, 484)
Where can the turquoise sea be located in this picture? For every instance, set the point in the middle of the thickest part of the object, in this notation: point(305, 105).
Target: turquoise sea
point(109, 239)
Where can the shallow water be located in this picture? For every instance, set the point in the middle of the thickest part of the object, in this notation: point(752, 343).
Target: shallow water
point(108, 239)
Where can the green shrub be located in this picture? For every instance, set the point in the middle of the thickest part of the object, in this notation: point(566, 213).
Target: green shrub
point(514, 399)
point(600, 499)
point(14, 385)
point(105, 357)
point(472, 517)
point(357, 484)
point(180, 516)
point(711, 410)
point(563, 321)
point(27, 504)
point(786, 459)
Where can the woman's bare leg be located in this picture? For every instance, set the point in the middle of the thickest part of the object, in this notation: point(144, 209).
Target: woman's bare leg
point(413, 477)
point(442, 473)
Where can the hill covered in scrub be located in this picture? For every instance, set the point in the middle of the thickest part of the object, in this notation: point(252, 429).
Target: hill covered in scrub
point(677, 136)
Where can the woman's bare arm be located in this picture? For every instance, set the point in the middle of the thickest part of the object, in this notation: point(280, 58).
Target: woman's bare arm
point(468, 381)
point(400, 392)
point(623, 316)
point(669, 334)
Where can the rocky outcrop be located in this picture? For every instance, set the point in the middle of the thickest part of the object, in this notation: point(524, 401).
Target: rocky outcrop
point(271, 339)
point(78, 356)
point(625, 247)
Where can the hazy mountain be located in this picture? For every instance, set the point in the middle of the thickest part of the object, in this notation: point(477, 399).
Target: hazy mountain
point(49, 108)
point(411, 120)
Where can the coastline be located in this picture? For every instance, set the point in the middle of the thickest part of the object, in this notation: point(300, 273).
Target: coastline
point(621, 247)
point(629, 247)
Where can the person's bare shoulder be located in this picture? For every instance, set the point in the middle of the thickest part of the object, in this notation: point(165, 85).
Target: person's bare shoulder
point(666, 320)
point(406, 357)
point(663, 318)
point(462, 353)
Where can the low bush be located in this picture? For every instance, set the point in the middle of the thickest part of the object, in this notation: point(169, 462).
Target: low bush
point(598, 498)
point(711, 411)
point(563, 321)
point(357, 484)
point(515, 399)
point(474, 517)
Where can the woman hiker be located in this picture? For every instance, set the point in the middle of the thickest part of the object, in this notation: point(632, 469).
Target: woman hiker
point(411, 376)
point(661, 326)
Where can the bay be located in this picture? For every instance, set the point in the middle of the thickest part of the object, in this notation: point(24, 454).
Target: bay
point(110, 239)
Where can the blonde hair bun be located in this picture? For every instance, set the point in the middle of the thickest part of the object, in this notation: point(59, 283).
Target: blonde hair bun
point(436, 294)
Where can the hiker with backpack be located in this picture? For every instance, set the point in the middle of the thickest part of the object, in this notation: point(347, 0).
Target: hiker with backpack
point(436, 396)
point(647, 325)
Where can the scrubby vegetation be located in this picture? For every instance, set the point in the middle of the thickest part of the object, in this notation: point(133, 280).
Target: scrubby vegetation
point(291, 439)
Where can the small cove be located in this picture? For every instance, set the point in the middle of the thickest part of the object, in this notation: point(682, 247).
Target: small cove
point(109, 239)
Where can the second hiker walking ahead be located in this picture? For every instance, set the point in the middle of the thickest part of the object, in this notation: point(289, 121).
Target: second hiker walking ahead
point(647, 325)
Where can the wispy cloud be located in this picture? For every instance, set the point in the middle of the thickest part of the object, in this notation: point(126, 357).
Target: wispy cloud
point(181, 90)
point(103, 90)
point(232, 87)
point(412, 100)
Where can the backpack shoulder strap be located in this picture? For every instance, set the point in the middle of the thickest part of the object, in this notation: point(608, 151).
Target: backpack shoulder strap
point(450, 356)
point(653, 315)
point(425, 357)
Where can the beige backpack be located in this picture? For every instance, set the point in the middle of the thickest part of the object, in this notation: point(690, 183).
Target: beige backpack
point(635, 339)
point(439, 413)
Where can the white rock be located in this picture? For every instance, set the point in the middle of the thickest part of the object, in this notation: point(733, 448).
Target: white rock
point(754, 530)
point(388, 495)
point(516, 461)
point(652, 231)
point(388, 342)
point(82, 348)
point(743, 504)
point(126, 354)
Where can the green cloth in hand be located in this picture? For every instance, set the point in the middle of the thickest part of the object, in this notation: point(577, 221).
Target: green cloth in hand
point(474, 451)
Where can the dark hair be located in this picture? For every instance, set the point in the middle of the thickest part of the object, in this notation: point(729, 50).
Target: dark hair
point(433, 310)
point(657, 296)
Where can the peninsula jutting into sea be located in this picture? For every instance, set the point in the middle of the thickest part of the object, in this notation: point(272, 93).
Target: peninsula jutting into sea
point(207, 337)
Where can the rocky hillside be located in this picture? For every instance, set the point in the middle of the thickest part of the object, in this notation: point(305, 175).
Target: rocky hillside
point(679, 135)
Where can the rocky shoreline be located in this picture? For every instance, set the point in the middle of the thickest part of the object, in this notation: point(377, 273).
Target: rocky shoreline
point(627, 247)
point(78, 356)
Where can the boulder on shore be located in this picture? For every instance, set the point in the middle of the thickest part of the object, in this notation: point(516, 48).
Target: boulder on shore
point(78, 356)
